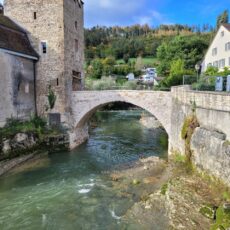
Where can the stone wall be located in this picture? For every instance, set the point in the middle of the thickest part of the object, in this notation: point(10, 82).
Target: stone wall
point(54, 24)
point(16, 87)
point(210, 142)
point(211, 153)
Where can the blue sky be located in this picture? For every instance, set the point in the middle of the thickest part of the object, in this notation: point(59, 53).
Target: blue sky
point(153, 12)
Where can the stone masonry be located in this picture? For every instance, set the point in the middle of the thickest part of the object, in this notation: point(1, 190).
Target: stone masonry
point(55, 28)
point(210, 142)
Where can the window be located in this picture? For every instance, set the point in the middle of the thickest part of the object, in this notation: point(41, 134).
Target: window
point(76, 81)
point(44, 47)
point(57, 82)
point(214, 51)
point(222, 33)
point(76, 25)
point(215, 64)
point(227, 46)
point(222, 63)
point(35, 15)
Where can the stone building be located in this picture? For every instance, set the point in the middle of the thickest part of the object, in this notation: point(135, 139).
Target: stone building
point(55, 29)
point(17, 69)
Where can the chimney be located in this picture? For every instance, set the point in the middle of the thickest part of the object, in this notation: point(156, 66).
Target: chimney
point(1, 9)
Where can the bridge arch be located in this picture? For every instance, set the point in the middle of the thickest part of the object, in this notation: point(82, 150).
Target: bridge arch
point(85, 104)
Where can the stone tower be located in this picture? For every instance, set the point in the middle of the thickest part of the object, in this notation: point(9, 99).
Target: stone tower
point(55, 29)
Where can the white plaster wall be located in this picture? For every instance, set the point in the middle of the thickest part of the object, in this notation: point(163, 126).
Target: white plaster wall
point(219, 43)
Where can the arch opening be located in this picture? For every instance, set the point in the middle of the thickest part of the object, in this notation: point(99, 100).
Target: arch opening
point(82, 124)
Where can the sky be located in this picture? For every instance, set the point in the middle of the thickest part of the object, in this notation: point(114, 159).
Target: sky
point(152, 12)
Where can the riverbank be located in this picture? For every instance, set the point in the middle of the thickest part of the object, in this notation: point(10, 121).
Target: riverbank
point(176, 197)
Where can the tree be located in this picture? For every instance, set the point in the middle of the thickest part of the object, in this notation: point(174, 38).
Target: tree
point(190, 49)
point(95, 70)
point(222, 18)
point(177, 71)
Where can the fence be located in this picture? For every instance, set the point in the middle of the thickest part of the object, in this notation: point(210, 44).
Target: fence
point(208, 83)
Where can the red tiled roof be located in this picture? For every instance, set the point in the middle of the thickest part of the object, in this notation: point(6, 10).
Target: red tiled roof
point(14, 38)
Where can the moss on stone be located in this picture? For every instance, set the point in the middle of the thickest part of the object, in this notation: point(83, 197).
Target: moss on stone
point(189, 126)
point(207, 211)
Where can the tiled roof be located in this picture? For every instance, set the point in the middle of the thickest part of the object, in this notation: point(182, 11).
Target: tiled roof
point(14, 38)
point(227, 26)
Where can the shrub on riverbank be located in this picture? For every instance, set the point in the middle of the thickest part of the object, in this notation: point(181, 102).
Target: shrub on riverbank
point(13, 126)
point(22, 137)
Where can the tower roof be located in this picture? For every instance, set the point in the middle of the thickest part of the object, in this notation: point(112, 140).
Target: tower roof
point(14, 38)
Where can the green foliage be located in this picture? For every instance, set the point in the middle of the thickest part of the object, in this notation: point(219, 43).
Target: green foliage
point(164, 189)
point(189, 126)
point(207, 211)
point(13, 126)
point(211, 71)
point(95, 69)
point(51, 98)
point(222, 18)
point(179, 158)
point(133, 40)
point(222, 219)
point(177, 71)
point(189, 49)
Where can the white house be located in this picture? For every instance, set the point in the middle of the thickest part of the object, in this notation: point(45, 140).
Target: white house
point(218, 53)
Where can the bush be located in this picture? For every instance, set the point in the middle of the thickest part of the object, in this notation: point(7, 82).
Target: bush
point(102, 84)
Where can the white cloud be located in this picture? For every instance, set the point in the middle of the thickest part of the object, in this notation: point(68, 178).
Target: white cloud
point(120, 12)
point(153, 17)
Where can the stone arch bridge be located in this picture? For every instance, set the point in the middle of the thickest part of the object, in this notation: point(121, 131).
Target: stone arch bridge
point(170, 108)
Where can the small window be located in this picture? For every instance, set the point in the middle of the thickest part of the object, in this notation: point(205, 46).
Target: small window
point(76, 25)
point(222, 33)
point(35, 15)
point(57, 82)
point(44, 47)
point(214, 51)
point(227, 46)
point(76, 81)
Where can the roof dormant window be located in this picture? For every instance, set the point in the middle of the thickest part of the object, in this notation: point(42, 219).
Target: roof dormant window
point(214, 51)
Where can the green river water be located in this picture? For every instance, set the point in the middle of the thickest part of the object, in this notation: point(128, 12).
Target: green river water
point(72, 190)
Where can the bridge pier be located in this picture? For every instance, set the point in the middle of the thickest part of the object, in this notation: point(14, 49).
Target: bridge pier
point(78, 136)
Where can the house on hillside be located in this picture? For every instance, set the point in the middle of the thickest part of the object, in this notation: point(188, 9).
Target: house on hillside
point(17, 71)
point(218, 54)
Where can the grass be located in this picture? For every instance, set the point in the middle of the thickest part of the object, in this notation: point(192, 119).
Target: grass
point(148, 61)
point(222, 219)
point(164, 189)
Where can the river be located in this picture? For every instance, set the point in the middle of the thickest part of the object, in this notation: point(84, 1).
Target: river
point(72, 190)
